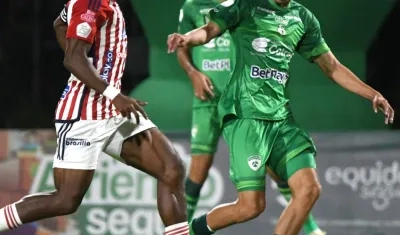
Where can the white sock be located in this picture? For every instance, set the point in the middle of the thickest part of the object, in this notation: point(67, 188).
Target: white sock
point(177, 229)
point(9, 218)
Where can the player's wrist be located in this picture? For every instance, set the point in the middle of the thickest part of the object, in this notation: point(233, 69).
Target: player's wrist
point(374, 96)
point(191, 71)
point(111, 92)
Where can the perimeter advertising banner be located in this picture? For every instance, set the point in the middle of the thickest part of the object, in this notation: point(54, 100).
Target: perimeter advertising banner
point(359, 172)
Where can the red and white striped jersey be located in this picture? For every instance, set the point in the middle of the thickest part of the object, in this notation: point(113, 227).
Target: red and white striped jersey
point(101, 23)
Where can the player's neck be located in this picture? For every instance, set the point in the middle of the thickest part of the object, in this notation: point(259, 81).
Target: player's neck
point(282, 4)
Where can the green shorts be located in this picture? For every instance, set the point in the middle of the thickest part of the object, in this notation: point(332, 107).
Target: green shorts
point(254, 145)
point(206, 130)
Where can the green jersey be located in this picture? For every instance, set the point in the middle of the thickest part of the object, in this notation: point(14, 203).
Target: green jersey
point(265, 37)
point(214, 59)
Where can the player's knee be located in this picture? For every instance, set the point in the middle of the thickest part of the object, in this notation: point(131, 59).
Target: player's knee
point(68, 203)
point(250, 209)
point(310, 191)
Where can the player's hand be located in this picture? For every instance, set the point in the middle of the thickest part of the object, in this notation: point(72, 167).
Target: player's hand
point(202, 86)
point(128, 106)
point(380, 103)
point(176, 40)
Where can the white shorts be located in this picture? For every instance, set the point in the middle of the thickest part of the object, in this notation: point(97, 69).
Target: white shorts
point(80, 144)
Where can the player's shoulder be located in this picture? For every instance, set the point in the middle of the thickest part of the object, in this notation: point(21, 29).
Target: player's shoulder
point(304, 13)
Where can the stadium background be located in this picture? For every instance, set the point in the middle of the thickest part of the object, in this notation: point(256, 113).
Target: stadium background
point(358, 156)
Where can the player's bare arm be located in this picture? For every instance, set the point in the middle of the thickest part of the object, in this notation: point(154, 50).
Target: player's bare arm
point(348, 80)
point(77, 62)
point(199, 36)
point(201, 83)
point(60, 28)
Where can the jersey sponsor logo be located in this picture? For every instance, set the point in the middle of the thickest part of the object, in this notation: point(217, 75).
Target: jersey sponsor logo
point(266, 10)
point(260, 44)
point(216, 65)
point(267, 46)
point(76, 142)
point(89, 16)
point(284, 20)
point(268, 73)
point(254, 162)
point(218, 42)
point(65, 91)
point(124, 37)
point(108, 66)
point(83, 30)
point(295, 18)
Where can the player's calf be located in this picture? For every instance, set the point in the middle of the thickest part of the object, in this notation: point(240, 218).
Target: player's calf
point(249, 205)
point(200, 164)
point(71, 187)
point(305, 189)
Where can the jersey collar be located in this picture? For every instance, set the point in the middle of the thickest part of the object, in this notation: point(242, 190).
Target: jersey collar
point(277, 7)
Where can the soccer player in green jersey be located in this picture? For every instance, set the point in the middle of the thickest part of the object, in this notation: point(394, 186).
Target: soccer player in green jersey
point(209, 67)
point(254, 110)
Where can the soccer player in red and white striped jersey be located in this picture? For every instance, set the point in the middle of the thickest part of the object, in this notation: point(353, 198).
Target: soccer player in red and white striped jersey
point(93, 118)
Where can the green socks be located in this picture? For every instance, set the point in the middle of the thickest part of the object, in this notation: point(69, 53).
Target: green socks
point(192, 197)
point(199, 226)
point(310, 225)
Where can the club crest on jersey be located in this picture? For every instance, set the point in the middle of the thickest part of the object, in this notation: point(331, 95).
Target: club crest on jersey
point(83, 30)
point(254, 162)
point(89, 16)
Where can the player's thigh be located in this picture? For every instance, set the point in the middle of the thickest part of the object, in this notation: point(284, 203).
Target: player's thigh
point(145, 148)
point(206, 130)
point(249, 143)
point(126, 130)
point(79, 146)
point(293, 150)
point(80, 143)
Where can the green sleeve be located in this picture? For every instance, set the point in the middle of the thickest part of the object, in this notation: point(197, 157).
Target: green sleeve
point(228, 14)
point(312, 44)
point(186, 20)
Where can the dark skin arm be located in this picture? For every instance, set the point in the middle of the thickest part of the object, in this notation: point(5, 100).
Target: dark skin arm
point(75, 58)
point(202, 85)
point(182, 43)
point(185, 59)
point(61, 30)
point(77, 62)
